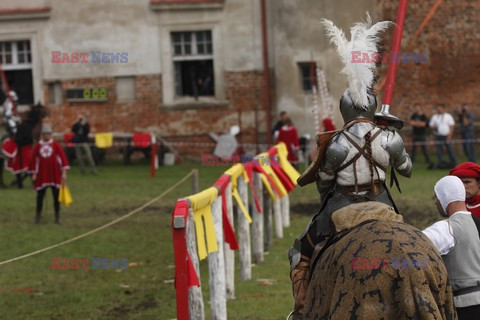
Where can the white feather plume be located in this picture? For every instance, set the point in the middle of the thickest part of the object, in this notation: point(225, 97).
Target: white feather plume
point(364, 37)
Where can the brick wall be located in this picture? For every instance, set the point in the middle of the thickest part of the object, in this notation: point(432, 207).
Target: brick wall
point(244, 91)
point(451, 39)
point(111, 115)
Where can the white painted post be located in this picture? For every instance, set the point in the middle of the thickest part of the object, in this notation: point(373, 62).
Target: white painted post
point(285, 204)
point(244, 234)
point(267, 216)
point(229, 254)
point(257, 224)
point(196, 308)
point(277, 215)
point(216, 268)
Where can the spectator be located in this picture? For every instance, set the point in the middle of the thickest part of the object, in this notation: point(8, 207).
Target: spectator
point(83, 153)
point(48, 167)
point(467, 131)
point(328, 124)
point(443, 124)
point(279, 124)
point(457, 240)
point(469, 173)
point(419, 122)
point(288, 135)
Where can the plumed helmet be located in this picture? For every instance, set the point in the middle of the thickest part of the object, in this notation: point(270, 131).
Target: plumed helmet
point(350, 111)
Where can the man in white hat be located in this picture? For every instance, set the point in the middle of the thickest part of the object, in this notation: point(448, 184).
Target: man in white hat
point(457, 239)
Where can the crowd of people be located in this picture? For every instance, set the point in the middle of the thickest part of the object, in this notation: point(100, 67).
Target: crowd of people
point(442, 124)
point(29, 150)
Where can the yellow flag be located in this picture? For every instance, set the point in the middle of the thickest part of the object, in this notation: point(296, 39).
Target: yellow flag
point(234, 172)
point(267, 186)
point(264, 160)
point(104, 140)
point(202, 215)
point(291, 172)
point(65, 197)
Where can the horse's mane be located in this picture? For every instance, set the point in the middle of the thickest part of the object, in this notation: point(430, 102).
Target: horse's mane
point(36, 114)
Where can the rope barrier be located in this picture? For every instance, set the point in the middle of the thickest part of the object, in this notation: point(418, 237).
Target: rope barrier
point(253, 145)
point(111, 223)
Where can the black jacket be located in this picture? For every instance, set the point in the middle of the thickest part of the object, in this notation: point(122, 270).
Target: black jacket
point(81, 132)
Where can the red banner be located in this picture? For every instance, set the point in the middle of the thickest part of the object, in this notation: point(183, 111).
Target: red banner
point(185, 275)
point(229, 233)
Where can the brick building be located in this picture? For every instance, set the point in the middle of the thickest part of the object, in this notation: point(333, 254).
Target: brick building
point(188, 67)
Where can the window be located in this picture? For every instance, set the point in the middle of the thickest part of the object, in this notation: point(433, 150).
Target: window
point(125, 89)
point(16, 60)
point(55, 93)
point(306, 76)
point(193, 63)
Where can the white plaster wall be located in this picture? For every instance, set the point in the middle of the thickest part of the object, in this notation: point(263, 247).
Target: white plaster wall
point(297, 33)
point(107, 26)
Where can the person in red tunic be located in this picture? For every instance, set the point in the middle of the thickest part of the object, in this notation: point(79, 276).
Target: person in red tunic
point(23, 141)
point(288, 135)
point(469, 173)
point(48, 167)
point(328, 124)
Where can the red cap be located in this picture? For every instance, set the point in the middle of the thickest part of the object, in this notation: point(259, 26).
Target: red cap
point(466, 170)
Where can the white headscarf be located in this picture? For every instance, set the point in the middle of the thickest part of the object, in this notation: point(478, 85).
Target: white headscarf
point(449, 189)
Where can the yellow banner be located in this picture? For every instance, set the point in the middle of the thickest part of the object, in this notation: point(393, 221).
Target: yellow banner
point(264, 161)
point(234, 172)
point(267, 186)
point(104, 140)
point(291, 172)
point(237, 198)
point(202, 215)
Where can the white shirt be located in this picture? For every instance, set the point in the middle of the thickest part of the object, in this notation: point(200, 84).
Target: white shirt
point(442, 123)
point(441, 234)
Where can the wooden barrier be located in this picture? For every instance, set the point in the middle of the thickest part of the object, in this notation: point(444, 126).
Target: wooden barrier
point(277, 214)
point(285, 205)
point(268, 223)
point(195, 296)
point(257, 225)
point(216, 268)
point(244, 234)
point(229, 254)
point(214, 206)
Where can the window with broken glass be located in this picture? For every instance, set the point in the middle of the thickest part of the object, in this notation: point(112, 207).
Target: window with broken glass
point(193, 63)
point(16, 61)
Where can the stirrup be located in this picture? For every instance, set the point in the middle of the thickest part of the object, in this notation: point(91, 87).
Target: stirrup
point(290, 314)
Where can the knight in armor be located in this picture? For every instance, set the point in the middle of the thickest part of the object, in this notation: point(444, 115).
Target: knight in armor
point(10, 121)
point(10, 118)
point(351, 163)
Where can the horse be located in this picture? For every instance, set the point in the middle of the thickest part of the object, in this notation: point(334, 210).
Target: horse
point(375, 266)
point(27, 131)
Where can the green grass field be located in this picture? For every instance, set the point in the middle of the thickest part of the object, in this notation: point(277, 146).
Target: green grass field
point(31, 289)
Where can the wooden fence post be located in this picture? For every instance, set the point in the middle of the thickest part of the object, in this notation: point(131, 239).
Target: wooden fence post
point(195, 182)
point(285, 204)
point(244, 234)
point(195, 298)
point(216, 268)
point(277, 214)
point(267, 215)
point(257, 224)
point(229, 254)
